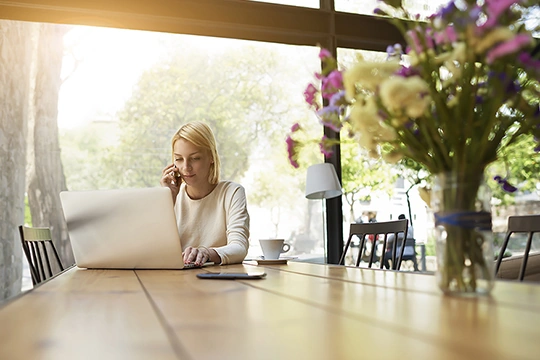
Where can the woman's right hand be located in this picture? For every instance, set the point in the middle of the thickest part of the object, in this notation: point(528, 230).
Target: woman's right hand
point(170, 177)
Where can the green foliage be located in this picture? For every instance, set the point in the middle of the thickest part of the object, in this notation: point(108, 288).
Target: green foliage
point(240, 105)
point(361, 175)
point(430, 246)
point(83, 155)
point(520, 164)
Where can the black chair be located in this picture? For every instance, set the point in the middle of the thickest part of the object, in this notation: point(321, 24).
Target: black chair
point(36, 244)
point(528, 224)
point(376, 231)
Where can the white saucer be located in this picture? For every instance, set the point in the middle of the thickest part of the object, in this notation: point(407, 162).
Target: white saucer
point(281, 260)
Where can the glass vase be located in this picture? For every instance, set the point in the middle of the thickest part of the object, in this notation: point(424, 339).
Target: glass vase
point(461, 202)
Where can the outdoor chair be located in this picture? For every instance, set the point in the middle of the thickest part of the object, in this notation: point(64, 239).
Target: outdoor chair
point(38, 247)
point(377, 231)
point(528, 224)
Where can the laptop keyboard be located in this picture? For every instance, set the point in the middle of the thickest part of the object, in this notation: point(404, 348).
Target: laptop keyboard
point(193, 266)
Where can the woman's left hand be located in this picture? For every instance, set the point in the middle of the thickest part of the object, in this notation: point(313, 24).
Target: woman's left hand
point(199, 256)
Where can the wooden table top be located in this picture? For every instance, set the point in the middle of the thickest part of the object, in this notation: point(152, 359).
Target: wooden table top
point(299, 311)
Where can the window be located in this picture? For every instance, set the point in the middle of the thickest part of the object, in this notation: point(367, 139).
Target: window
point(131, 90)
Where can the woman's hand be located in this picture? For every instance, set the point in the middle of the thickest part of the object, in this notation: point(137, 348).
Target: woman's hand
point(170, 177)
point(200, 255)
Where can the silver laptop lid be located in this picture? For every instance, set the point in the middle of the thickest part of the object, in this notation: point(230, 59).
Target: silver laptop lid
point(123, 228)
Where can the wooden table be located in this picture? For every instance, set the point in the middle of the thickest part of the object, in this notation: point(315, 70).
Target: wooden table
point(300, 311)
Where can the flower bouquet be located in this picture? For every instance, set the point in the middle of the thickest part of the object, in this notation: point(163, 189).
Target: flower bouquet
point(462, 87)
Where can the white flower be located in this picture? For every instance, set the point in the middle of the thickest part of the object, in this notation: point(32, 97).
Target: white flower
point(405, 95)
point(370, 130)
point(369, 74)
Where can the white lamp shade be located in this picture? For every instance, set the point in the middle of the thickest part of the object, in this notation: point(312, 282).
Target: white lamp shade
point(322, 182)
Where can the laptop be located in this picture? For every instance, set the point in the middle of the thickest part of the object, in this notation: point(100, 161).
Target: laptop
point(123, 228)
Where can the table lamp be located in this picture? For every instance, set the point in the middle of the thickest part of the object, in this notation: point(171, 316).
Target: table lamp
point(322, 182)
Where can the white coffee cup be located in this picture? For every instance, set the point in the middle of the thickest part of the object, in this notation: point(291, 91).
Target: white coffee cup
point(272, 248)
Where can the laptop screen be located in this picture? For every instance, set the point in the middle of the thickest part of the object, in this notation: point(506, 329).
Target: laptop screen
point(123, 228)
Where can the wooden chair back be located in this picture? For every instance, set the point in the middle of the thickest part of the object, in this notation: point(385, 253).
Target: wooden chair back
point(38, 247)
point(378, 230)
point(528, 224)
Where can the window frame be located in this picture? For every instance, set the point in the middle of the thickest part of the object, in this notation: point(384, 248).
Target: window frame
point(238, 19)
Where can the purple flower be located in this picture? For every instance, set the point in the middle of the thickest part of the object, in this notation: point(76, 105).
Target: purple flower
point(508, 47)
point(405, 71)
point(494, 10)
point(338, 99)
point(430, 42)
point(527, 60)
point(332, 84)
point(505, 184)
point(474, 14)
point(394, 51)
point(508, 187)
point(326, 147)
point(446, 11)
point(324, 54)
point(417, 44)
point(309, 95)
point(291, 150)
point(295, 127)
point(330, 117)
point(446, 36)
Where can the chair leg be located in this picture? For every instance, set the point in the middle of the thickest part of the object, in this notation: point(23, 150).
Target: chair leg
point(360, 250)
point(501, 252)
point(525, 258)
point(342, 260)
point(401, 252)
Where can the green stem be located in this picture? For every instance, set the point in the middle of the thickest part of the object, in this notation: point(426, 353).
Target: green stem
point(462, 261)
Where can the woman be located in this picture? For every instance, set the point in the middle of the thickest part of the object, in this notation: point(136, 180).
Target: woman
point(212, 216)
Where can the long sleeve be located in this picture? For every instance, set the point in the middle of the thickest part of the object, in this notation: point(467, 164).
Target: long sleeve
point(219, 221)
point(237, 219)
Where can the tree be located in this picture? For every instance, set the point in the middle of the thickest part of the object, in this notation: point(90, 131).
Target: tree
point(361, 176)
point(520, 165)
point(16, 46)
point(47, 178)
point(83, 150)
point(237, 104)
point(415, 174)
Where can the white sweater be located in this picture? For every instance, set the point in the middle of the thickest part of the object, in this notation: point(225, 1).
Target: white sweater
point(219, 221)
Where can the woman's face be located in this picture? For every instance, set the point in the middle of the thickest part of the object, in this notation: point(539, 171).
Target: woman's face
point(193, 162)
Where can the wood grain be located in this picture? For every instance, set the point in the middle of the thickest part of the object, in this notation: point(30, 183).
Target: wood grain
point(299, 311)
point(243, 320)
point(84, 314)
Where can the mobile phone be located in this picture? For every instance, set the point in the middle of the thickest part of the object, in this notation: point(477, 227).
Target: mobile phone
point(177, 173)
point(228, 276)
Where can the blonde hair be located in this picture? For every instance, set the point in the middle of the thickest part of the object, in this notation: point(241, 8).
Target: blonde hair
point(200, 135)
